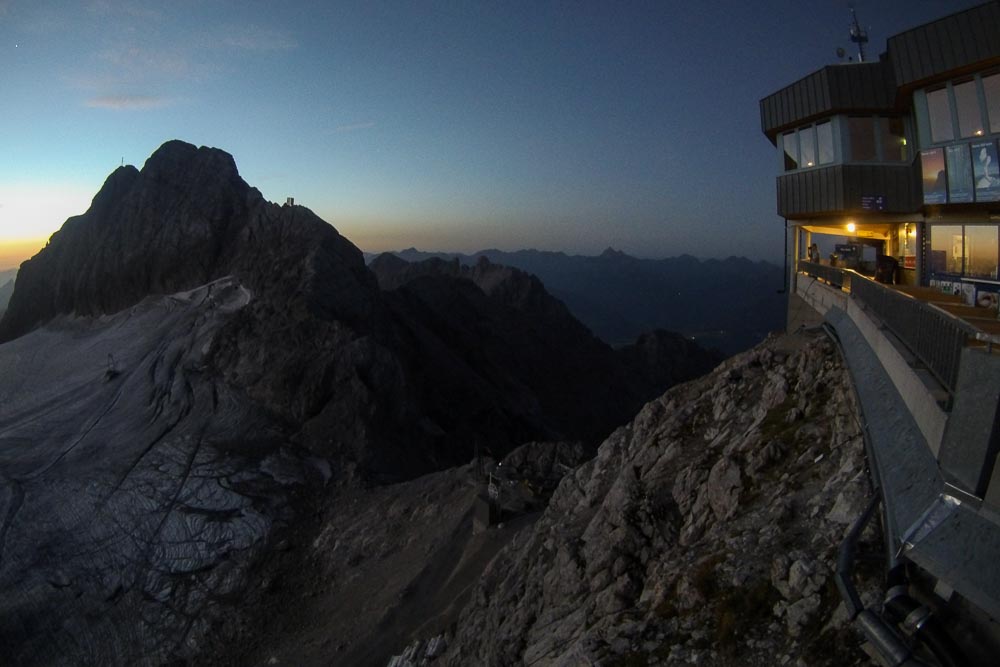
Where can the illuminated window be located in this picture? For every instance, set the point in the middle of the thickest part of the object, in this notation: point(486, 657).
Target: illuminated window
point(970, 121)
point(824, 135)
point(981, 251)
point(947, 249)
point(893, 139)
point(939, 113)
point(807, 142)
point(862, 133)
point(991, 88)
point(790, 145)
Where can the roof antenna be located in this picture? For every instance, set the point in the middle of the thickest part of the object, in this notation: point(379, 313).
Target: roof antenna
point(858, 35)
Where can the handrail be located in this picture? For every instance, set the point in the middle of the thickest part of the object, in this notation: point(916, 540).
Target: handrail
point(839, 278)
point(934, 336)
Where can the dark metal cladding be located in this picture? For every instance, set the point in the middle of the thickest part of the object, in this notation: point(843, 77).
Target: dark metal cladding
point(867, 87)
point(840, 188)
point(949, 45)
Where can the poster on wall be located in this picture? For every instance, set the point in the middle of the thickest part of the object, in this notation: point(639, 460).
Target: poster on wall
point(959, 173)
point(986, 171)
point(935, 186)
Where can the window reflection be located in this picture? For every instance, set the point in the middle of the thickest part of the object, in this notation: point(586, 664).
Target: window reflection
point(824, 136)
point(970, 123)
point(893, 139)
point(807, 144)
point(862, 132)
point(790, 144)
point(981, 251)
point(946, 249)
point(991, 87)
point(939, 113)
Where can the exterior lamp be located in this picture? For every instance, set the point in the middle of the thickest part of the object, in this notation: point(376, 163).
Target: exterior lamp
point(851, 227)
point(979, 133)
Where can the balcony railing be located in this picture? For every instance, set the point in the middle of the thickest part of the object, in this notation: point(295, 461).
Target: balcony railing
point(839, 278)
point(934, 337)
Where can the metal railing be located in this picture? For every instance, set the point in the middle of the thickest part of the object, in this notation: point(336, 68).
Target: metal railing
point(935, 337)
point(838, 278)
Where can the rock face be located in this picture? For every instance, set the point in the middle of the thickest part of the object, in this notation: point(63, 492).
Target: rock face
point(186, 372)
point(521, 341)
point(6, 290)
point(704, 532)
point(186, 219)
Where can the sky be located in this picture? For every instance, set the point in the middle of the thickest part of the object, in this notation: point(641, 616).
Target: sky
point(453, 126)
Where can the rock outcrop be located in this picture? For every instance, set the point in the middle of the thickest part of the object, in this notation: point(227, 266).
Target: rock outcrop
point(703, 532)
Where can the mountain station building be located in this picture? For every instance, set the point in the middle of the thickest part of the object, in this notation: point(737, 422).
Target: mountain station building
point(898, 157)
point(889, 184)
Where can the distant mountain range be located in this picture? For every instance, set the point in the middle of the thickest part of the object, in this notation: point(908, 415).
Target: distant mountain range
point(730, 304)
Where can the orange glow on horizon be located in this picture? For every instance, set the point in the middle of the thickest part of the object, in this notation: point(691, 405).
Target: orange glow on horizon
point(15, 251)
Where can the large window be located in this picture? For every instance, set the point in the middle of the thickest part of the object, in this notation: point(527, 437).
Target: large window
point(824, 136)
point(939, 114)
point(862, 133)
point(947, 249)
point(981, 251)
point(969, 250)
point(991, 90)
point(790, 146)
point(957, 111)
point(892, 137)
point(970, 122)
point(807, 144)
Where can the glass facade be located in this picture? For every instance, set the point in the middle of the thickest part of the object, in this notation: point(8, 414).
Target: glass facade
point(965, 250)
point(807, 146)
point(824, 136)
point(790, 147)
point(991, 91)
point(892, 137)
point(970, 123)
point(939, 115)
point(947, 249)
point(862, 132)
point(981, 245)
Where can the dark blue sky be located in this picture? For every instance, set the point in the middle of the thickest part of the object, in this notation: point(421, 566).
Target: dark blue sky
point(453, 126)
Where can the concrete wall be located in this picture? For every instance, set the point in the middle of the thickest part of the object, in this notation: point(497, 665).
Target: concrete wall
point(808, 304)
point(917, 388)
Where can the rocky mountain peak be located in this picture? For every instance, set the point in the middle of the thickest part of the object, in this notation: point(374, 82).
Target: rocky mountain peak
point(183, 220)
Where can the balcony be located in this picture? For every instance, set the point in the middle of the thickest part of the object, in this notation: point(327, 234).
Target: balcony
point(841, 188)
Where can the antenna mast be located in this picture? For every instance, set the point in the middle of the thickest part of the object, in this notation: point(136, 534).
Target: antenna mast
point(858, 35)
